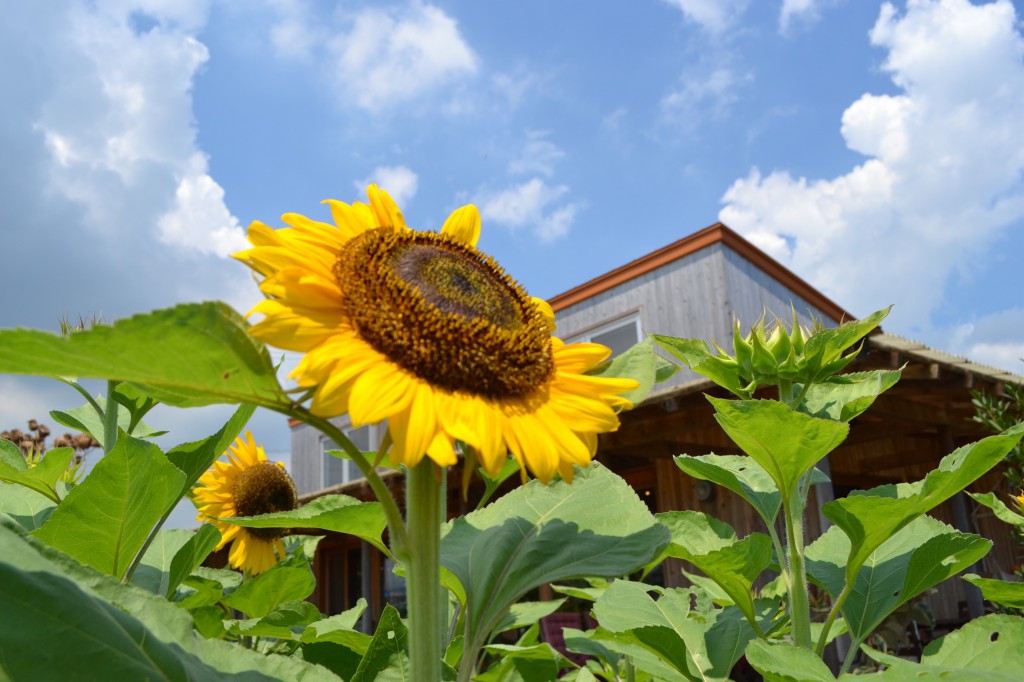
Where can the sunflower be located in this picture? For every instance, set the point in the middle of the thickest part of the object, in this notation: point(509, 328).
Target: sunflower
point(423, 330)
point(246, 485)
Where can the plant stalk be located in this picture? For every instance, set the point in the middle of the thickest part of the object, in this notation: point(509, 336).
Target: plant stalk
point(110, 419)
point(799, 607)
point(427, 610)
point(398, 539)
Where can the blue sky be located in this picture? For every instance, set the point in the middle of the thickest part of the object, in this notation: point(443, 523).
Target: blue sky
point(876, 149)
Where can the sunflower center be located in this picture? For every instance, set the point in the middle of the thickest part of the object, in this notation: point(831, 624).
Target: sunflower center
point(264, 488)
point(444, 312)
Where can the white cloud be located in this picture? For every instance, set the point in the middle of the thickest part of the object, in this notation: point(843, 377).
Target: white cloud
point(199, 219)
point(400, 182)
point(996, 339)
point(532, 203)
point(392, 56)
point(802, 10)
point(704, 89)
point(715, 16)
point(944, 175)
point(538, 155)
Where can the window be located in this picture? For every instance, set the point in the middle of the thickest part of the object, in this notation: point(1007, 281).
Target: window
point(338, 470)
point(620, 335)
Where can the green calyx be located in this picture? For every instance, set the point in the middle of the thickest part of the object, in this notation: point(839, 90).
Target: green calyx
point(771, 354)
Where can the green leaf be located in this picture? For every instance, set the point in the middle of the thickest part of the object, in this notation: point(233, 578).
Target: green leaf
point(1002, 512)
point(524, 663)
point(538, 534)
point(191, 555)
point(104, 630)
point(25, 506)
point(1002, 592)
point(779, 662)
point(785, 443)
point(290, 580)
point(104, 520)
point(526, 613)
point(711, 545)
point(153, 572)
point(336, 513)
point(387, 657)
point(987, 648)
point(640, 362)
point(871, 517)
point(843, 402)
point(742, 475)
point(696, 355)
point(192, 354)
point(693, 644)
point(339, 629)
point(921, 555)
point(43, 477)
point(194, 458)
point(285, 621)
point(87, 420)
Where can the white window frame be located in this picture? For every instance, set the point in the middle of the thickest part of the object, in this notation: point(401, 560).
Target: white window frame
point(618, 323)
point(350, 472)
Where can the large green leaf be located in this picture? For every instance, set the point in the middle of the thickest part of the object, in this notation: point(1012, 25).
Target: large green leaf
point(196, 457)
point(526, 613)
point(779, 662)
point(289, 580)
point(741, 475)
point(172, 556)
point(987, 648)
point(104, 630)
point(538, 534)
point(43, 477)
point(285, 621)
point(192, 354)
point(337, 513)
point(1001, 511)
point(87, 420)
point(712, 546)
point(1002, 592)
point(642, 363)
point(693, 644)
point(787, 444)
point(850, 398)
point(921, 555)
point(870, 518)
point(387, 656)
point(104, 520)
point(26, 507)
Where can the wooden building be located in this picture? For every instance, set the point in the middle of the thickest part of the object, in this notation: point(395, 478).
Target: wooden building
point(695, 288)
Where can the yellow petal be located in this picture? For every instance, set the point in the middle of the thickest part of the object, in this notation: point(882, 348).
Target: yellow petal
point(463, 225)
point(385, 209)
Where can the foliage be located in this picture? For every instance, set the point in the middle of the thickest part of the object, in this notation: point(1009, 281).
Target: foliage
point(90, 567)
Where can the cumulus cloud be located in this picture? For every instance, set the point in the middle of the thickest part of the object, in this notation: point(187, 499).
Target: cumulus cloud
point(943, 177)
point(400, 182)
point(714, 16)
point(532, 203)
point(199, 219)
point(392, 56)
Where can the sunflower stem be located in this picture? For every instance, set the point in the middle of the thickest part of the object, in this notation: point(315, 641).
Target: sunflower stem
point(426, 607)
point(398, 539)
point(110, 419)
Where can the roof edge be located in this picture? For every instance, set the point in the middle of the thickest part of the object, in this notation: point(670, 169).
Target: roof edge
point(718, 233)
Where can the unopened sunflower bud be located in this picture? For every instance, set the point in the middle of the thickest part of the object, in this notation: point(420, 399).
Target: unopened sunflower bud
point(33, 425)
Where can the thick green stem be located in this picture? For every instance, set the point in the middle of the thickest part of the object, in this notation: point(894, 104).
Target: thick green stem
point(110, 419)
point(799, 607)
point(423, 574)
point(850, 656)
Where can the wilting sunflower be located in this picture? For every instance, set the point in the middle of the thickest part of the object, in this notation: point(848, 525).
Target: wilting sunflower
point(246, 485)
point(427, 332)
